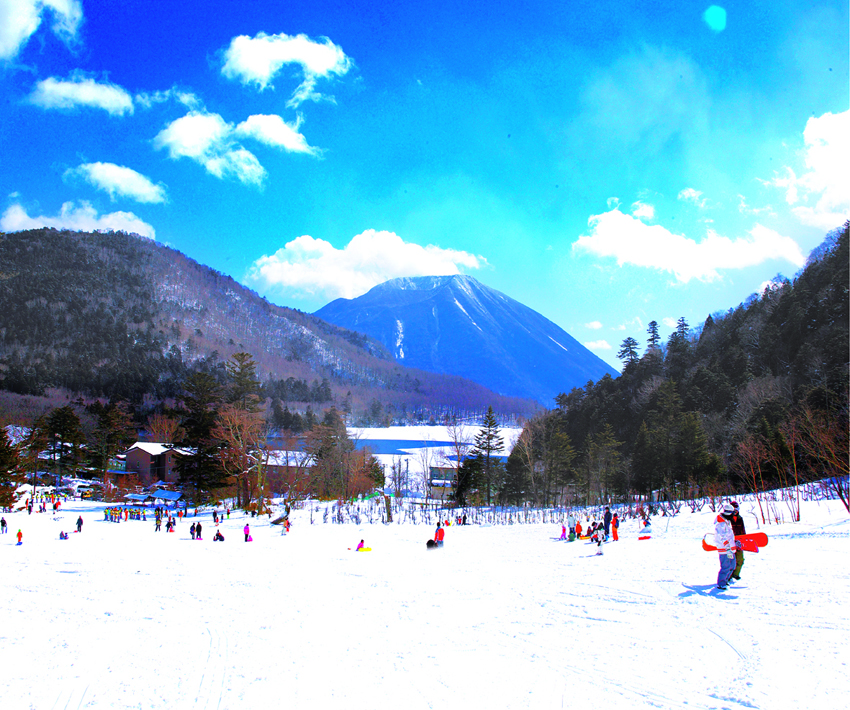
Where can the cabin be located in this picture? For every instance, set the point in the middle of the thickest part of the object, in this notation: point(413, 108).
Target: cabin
point(153, 462)
point(441, 483)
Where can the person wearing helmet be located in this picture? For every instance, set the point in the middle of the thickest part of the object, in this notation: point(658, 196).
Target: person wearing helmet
point(724, 541)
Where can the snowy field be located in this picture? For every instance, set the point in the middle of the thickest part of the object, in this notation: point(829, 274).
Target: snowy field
point(501, 617)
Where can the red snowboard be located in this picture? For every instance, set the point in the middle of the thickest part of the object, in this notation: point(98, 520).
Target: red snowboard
point(750, 543)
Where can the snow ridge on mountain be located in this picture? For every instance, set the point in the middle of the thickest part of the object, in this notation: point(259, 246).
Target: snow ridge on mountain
point(457, 325)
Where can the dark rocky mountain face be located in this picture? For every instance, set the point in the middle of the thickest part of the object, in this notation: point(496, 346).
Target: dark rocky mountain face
point(116, 315)
point(459, 326)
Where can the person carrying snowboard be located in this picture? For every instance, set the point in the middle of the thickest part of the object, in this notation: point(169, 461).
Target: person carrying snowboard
point(724, 541)
point(738, 528)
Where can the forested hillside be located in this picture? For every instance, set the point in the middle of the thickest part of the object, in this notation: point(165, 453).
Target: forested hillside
point(120, 316)
point(756, 396)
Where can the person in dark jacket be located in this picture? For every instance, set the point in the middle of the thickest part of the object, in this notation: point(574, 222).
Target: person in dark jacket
point(607, 521)
point(738, 528)
point(198, 528)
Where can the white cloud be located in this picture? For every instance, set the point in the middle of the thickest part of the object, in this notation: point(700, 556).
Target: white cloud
point(82, 91)
point(120, 181)
point(78, 218)
point(206, 139)
point(641, 210)
point(822, 192)
point(630, 241)
point(308, 267)
point(187, 98)
point(19, 19)
point(272, 130)
point(593, 325)
point(597, 345)
point(258, 59)
point(692, 196)
point(670, 322)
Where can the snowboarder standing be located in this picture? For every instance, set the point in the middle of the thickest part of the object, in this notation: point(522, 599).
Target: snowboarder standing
point(738, 528)
point(724, 541)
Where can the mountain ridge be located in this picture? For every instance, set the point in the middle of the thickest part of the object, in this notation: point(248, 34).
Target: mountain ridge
point(455, 324)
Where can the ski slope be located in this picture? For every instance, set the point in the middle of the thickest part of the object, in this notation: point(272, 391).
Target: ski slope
point(501, 617)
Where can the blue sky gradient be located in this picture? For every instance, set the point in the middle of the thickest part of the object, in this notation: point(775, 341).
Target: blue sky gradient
point(605, 163)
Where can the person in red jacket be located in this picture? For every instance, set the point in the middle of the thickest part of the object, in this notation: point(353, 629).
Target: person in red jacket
point(615, 526)
point(439, 535)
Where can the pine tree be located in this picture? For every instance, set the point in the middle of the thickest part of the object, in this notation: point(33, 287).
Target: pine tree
point(488, 442)
point(10, 474)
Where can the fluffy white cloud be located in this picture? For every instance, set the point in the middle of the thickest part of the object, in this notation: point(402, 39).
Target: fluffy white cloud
point(822, 193)
point(641, 210)
point(207, 139)
point(593, 325)
point(692, 196)
point(597, 345)
point(274, 131)
point(631, 241)
point(19, 19)
point(78, 218)
point(120, 181)
point(670, 322)
point(258, 59)
point(308, 267)
point(81, 91)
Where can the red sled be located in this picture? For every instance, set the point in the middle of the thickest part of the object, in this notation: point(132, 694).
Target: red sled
point(749, 543)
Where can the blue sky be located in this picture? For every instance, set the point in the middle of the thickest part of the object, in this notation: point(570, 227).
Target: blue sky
point(605, 163)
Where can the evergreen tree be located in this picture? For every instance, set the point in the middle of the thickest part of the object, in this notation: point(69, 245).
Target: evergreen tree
point(10, 474)
point(201, 469)
point(488, 442)
point(654, 340)
point(243, 388)
point(66, 440)
point(113, 432)
point(628, 351)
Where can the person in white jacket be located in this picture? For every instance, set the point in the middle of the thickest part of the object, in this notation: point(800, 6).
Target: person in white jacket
point(724, 541)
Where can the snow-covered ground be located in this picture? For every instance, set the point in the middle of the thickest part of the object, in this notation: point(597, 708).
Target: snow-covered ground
point(502, 617)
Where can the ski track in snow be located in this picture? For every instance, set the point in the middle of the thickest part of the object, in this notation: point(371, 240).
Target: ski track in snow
point(122, 617)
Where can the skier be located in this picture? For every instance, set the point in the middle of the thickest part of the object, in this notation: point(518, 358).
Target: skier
point(247, 532)
point(80, 524)
point(607, 520)
point(439, 535)
point(724, 541)
point(738, 528)
point(615, 524)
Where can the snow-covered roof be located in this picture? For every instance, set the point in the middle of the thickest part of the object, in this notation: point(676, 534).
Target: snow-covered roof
point(167, 495)
point(150, 447)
